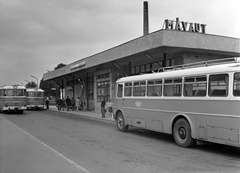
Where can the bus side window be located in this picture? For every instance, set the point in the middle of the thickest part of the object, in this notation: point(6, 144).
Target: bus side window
point(173, 87)
point(236, 85)
point(128, 89)
point(120, 90)
point(154, 88)
point(139, 88)
point(218, 85)
point(195, 86)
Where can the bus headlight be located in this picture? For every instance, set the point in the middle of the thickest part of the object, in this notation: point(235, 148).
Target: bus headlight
point(237, 59)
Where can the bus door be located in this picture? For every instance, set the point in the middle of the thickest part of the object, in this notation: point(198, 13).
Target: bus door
point(118, 102)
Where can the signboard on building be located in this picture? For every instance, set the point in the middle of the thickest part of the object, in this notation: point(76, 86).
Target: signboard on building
point(184, 26)
point(81, 64)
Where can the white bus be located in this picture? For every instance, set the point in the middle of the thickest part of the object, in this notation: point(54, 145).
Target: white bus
point(35, 98)
point(13, 99)
point(191, 103)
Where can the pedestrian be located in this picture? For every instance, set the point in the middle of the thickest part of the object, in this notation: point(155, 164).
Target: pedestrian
point(59, 103)
point(63, 104)
point(68, 103)
point(78, 104)
point(73, 104)
point(83, 105)
point(110, 108)
point(103, 110)
point(47, 102)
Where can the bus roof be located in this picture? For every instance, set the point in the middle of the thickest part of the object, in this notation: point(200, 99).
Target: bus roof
point(231, 67)
point(34, 90)
point(13, 86)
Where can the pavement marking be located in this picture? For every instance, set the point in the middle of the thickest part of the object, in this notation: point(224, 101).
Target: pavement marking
point(55, 151)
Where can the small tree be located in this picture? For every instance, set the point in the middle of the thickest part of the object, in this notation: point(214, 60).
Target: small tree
point(50, 87)
point(47, 86)
point(60, 66)
point(31, 85)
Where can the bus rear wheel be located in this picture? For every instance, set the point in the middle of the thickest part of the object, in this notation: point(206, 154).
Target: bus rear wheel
point(121, 123)
point(182, 134)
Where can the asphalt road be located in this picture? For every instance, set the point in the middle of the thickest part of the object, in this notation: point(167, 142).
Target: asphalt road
point(79, 144)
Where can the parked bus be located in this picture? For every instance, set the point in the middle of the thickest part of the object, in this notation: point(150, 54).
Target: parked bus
point(35, 98)
point(191, 103)
point(13, 99)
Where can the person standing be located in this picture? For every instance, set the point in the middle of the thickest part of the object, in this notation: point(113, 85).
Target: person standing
point(59, 103)
point(78, 104)
point(47, 102)
point(68, 102)
point(103, 110)
point(110, 108)
point(63, 104)
point(83, 105)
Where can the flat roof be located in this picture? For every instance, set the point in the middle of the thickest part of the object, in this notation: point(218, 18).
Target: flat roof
point(165, 39)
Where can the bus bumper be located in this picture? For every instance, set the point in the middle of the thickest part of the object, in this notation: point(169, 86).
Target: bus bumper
point(35, 106)
point(13, 108)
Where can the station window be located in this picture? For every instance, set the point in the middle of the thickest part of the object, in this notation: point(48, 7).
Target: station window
point(103, 91)
point(236, 85)
point(154, 88)
point(195, 86)
point(218, 85)
point(155, 66)
point(146, 68)
point(173, 87)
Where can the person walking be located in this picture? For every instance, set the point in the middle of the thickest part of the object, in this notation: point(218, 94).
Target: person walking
point(47, 102)
point(68, 102)
point(103, 110)
point(59, 103)
point(110, 108)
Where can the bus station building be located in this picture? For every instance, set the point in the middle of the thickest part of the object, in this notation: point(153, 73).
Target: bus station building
point(93, 78)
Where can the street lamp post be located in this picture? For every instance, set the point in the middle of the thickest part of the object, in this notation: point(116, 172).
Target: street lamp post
point(36, 79)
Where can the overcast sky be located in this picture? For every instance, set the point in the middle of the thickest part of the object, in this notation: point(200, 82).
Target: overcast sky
point(37, 35)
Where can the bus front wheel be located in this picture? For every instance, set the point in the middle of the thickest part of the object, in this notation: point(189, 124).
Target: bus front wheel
point(121, 123)
point(182, 133)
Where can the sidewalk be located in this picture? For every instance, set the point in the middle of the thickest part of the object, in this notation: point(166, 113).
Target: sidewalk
point(89, 114)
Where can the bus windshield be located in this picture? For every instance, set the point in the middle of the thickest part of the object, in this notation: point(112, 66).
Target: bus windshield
point(9, 92)
point(20, 92)
point(34, 94)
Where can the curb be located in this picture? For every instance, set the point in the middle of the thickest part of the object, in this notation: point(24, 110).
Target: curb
point(90, 117)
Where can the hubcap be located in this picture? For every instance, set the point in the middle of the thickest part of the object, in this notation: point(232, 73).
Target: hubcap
point(182, 132)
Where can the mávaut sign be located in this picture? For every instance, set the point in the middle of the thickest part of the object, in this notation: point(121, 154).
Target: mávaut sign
point(185, 26)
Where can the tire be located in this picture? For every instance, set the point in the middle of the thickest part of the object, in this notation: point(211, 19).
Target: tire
point(121, 123)
point(182, 134)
